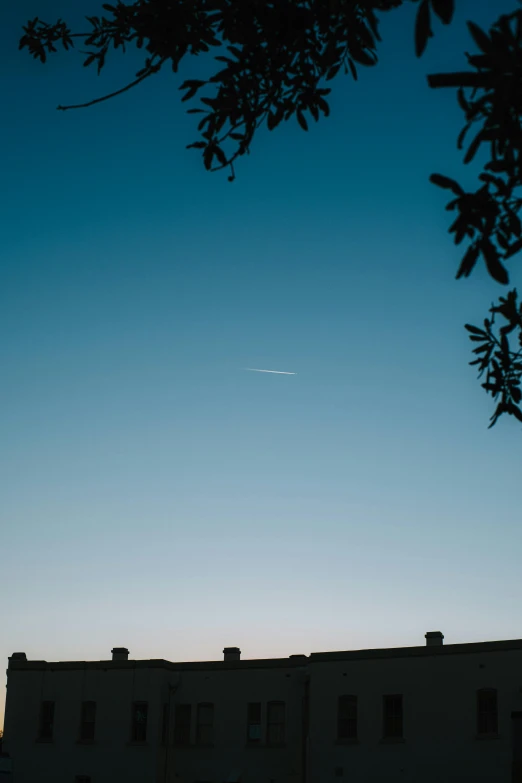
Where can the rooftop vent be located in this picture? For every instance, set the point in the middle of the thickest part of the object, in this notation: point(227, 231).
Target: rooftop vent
point(120, 654)
point(434, 638)
point(17, 656)
point(232, 654)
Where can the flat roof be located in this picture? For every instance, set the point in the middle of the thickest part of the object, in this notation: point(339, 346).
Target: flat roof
point(296, 661)
point(421, 651)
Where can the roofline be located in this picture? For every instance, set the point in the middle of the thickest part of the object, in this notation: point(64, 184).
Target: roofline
point(414, 652)
point(273, 663)
point(159, 663)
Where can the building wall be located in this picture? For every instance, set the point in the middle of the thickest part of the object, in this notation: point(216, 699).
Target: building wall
point(115, 686)
point(230, 691)
point(112, 756)
point(439, 718)
point(439, 740)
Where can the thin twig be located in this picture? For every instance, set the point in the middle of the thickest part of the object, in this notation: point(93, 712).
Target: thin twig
point(113, 94)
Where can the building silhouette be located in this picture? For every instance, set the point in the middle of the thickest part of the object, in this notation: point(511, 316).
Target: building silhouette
point(434, 713)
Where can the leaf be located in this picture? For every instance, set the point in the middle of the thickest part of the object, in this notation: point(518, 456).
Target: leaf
point(513, 222)
point(464, 105)
point(504, 344)
point(235, 52)
point(468, 262)
point(189, 94)
point(517, 413)
point(192, 83)
point(220, 155)
point(496, 165)
point(495, 268)
point(361, 56)
point(423, 29)
point(502, 241)
point(271, 121)
point(452, 204)
point(447, 183)
point(473, 147)
point(481, 348)
point(333, 72)
point(323, 105)
point(498, 412)
point(301, 120)
point(462, 135)
point(515, 247)
point(480, 37)
point(444, 9)
point(459, 227)
point(208, 156)
point(475, 330)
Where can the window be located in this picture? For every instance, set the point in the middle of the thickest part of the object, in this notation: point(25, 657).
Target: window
point(82, 779)
point(165, 725)
point(139, 721)
point(254, 722)
point(182, 724)
point(347, 717)
point(487, 711)
point(275, 723)
point(46, 720)
point(392, 714)
point(205, 724)
point(87, 720)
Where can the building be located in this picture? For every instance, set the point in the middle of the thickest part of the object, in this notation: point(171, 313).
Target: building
point(436, 713)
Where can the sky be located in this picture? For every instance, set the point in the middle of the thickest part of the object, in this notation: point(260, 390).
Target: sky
point(156, 495)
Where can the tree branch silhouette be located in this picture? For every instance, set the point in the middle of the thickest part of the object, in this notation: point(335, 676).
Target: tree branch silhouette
point(278, 56)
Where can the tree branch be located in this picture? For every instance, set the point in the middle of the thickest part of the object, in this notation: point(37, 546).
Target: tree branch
point(460, 79)
point(155, 69)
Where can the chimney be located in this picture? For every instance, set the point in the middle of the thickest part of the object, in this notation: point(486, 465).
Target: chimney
point(120, 654)
point(232, 654)
point(17, 656)
point(434, 638)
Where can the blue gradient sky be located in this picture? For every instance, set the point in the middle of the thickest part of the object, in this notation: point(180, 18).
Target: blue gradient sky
point(153, 493)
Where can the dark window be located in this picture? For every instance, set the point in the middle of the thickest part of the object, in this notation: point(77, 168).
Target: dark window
point(487, 711)
point(139, 721)
point(254, 722)
point(392, 714)
point(165, 725)
point(275, 723)
point(82, 779)
point(46, 720)
point(205, 724)
point(88, 720)
point(182, 724)
point(347, 717)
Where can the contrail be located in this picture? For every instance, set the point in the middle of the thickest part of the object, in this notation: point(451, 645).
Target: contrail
point(277, 372)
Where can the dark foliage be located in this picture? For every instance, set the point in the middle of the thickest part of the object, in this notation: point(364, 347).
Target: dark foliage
point(502, 364)
point(489, 217)
point(274, 62)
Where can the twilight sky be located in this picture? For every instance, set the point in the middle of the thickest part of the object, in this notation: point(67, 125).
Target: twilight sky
point(156, 495)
